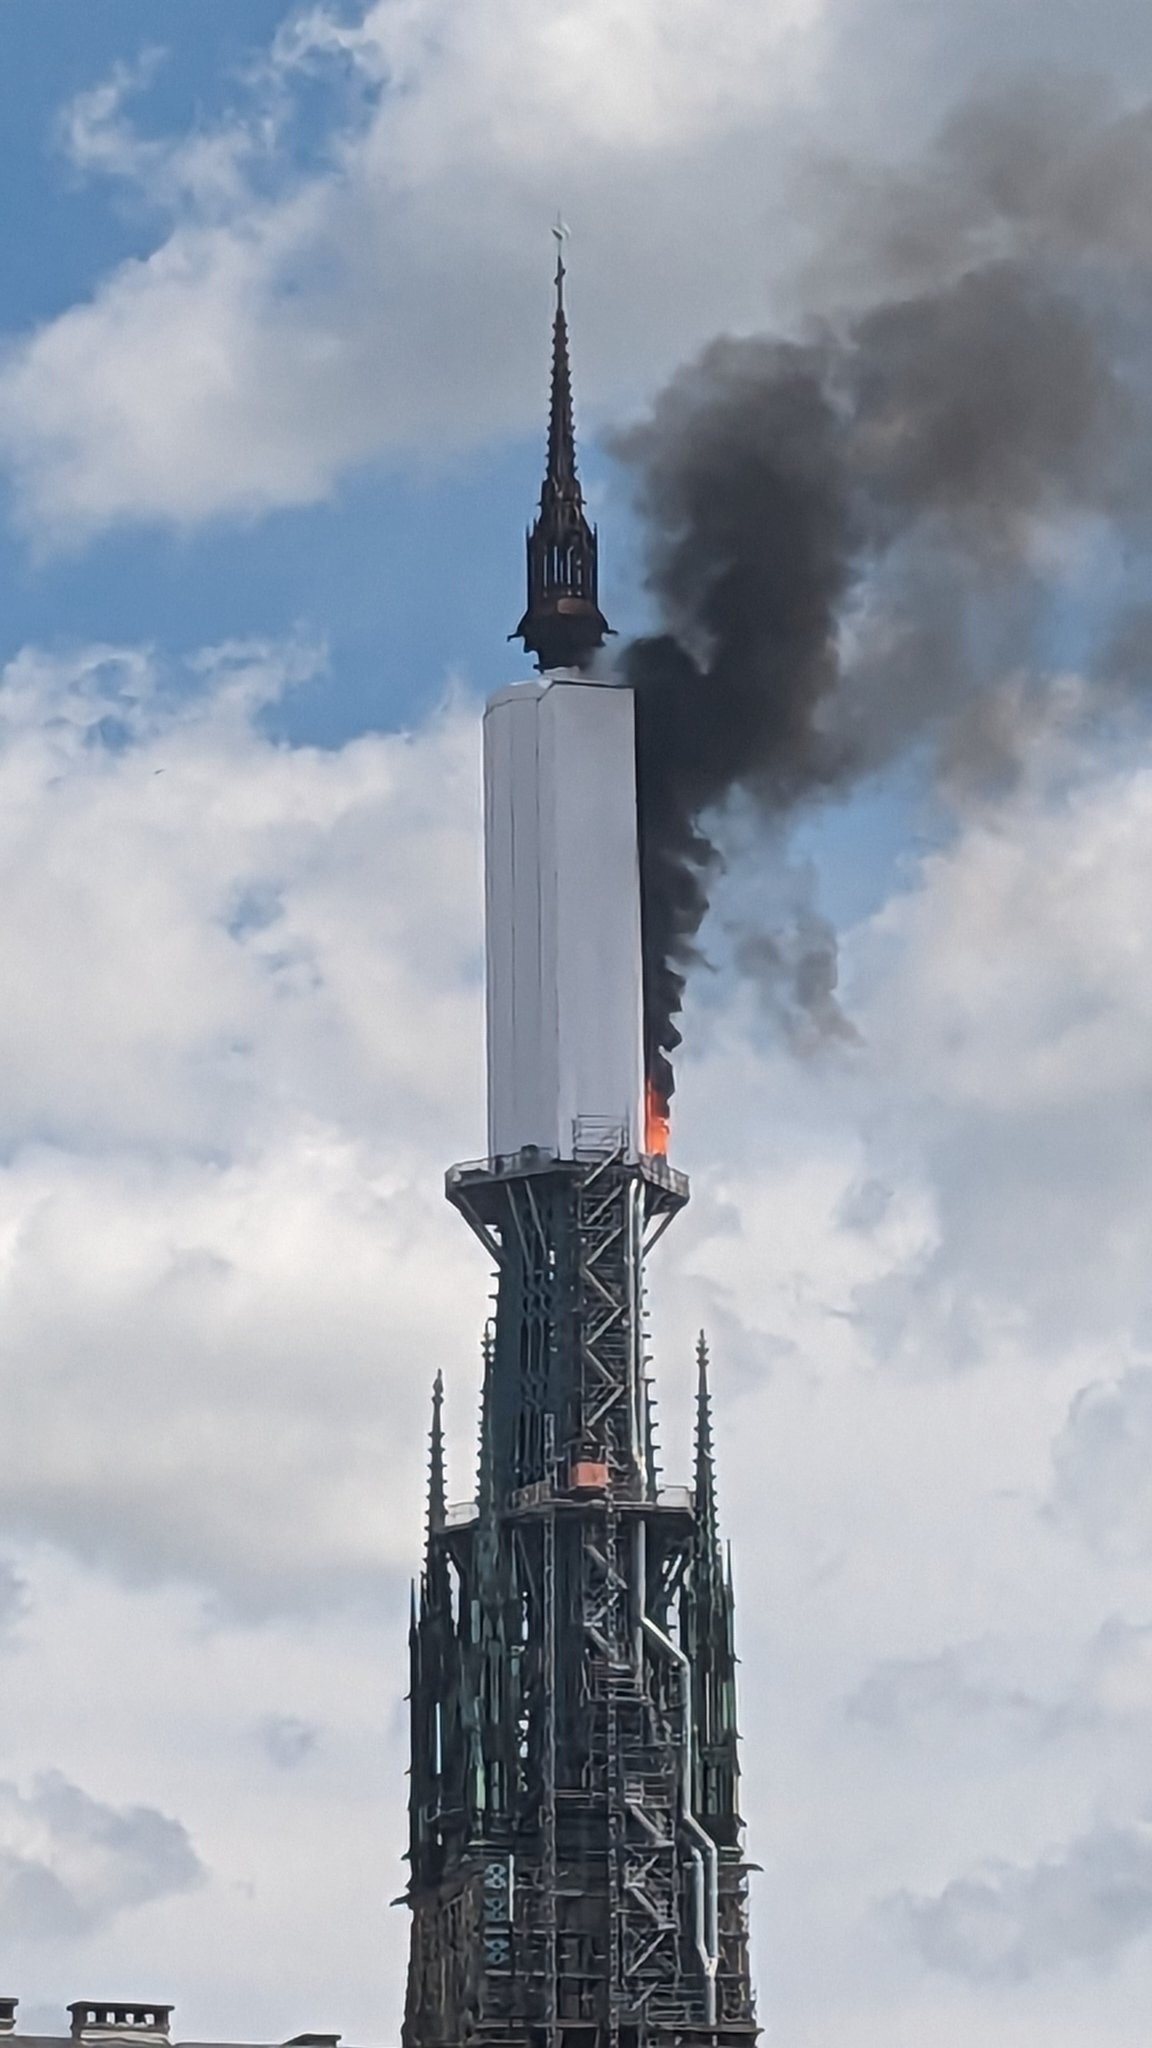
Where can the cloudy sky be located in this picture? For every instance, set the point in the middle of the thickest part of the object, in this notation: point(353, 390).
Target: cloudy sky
point(274, 304)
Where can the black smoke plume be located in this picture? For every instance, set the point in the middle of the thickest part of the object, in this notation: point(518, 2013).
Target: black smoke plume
point(856, 539)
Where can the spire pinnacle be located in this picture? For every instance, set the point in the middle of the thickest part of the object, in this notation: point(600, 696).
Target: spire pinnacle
point(705, 1459)
point(563, 624)
point(436, 1491)
point(485, 1477)
point(561, 427)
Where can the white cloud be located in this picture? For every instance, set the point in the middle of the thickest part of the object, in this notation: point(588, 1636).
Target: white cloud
point(206, 169)
point(240, 1008)
point(974, 1687)
point(1103, 1464)
point(131, 1696)
point(13, 1595)
point(901, 1693)
point(1011, 1014)
point(69, 1864)
point(1006, 1924)
point(290, 323)
point(288, 326)
point(287, 1739)
point(242, 1040)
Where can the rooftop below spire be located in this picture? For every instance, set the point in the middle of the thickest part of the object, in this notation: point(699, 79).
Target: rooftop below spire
point(563, 624)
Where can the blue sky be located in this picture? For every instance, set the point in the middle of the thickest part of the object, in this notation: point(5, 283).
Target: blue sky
point(59, 238)
point(360, 575)
point(411, 571)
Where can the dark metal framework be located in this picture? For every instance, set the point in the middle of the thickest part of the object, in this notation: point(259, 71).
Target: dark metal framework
point(577, 1873)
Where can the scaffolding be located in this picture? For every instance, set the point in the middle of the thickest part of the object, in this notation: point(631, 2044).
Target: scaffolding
point(571, 1653)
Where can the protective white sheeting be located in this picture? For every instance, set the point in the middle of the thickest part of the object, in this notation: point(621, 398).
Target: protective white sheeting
point(562, 889)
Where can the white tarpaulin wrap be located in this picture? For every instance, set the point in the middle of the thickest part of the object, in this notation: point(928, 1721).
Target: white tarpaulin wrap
point(565, 1051)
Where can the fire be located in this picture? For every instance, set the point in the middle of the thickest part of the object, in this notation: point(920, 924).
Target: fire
point(656, 1124)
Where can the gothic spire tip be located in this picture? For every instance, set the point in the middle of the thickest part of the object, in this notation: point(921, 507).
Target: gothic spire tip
point(705, 1460)
point(703, 1391)
point(436, 1486)
point(563, 624)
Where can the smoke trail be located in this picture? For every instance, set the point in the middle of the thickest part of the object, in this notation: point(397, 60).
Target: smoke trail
point(794, 968)
point(850, 538)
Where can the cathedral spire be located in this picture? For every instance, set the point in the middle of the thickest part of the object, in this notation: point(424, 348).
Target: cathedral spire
point(563, 624)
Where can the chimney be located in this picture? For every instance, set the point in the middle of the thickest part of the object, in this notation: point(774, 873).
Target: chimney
point(94, 2020)
point(8, 2015)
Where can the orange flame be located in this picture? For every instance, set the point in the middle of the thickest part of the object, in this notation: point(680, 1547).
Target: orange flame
point(656, 1123)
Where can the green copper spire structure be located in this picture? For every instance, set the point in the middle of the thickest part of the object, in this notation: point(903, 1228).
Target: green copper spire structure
point(705, 1457)
point(576, 1867)
point(710, 1639)
point(436, 1501)
point(577, 1877)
